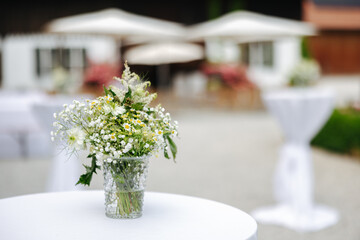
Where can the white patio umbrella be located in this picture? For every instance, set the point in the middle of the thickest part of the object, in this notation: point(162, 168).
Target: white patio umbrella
point(248, 26)
point(117, 23)
point(164, 53)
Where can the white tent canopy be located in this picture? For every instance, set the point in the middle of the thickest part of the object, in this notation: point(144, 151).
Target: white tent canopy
point(248, 26)
point(117, 23)
point(164, 53)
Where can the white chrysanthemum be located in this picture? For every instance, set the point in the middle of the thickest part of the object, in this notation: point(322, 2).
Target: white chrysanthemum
point(76, 137)
point(107, 109)
point(118, 110)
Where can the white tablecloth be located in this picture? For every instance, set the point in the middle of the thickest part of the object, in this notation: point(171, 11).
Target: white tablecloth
point(301, 113)
point(16, 118)
point(15, 111)
point(81, 215)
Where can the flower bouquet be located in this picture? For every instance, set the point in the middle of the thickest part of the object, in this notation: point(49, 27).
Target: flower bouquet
point(304, 74)
point(121, 131)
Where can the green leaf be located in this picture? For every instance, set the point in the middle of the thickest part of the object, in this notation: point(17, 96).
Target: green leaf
point(173, 147)
point(106, 90)
point(85, 178)
point(138, 106)
point(127, 96)
point(166, 154)
point(112, 92)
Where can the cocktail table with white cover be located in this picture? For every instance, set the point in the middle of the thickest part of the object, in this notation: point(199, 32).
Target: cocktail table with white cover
point(301, 113)
point(80, 215)
point(16, 117)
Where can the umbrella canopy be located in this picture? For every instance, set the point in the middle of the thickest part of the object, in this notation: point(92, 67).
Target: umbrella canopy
point(164, 53)
point(117, 23)
point(248, 26)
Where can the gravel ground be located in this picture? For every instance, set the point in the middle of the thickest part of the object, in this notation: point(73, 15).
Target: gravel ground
point(226, 156)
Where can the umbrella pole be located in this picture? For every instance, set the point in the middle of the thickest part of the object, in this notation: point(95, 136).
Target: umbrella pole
point(163, 75)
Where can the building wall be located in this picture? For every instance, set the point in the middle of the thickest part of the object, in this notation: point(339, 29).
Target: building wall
point(19, 58)
point(337, 52)
point(286, 56)
point(337, 47)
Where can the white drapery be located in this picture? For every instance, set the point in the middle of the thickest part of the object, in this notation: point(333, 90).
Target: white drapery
point(300, 113)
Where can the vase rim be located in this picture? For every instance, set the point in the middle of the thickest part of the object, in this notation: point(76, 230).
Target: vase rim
point(133, 158)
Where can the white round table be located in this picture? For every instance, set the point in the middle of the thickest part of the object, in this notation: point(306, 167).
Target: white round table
point(80, 215)
point(301, 113)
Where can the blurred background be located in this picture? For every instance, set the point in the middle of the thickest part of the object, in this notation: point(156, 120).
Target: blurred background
point(211, 62)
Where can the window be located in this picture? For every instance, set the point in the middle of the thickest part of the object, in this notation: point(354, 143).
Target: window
point(47, 59)
point(244, 52)
point(268, 54)
point(258, 54)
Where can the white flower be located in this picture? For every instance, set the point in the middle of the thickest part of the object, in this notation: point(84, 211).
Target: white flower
point(117, 154)
point(55, 115)
point(99, 156)
point(127, 147)
point(118, 110)
point(127, 126)
point(147, 145)
point(107, 109)
point(112, 137)
point(76, 137)
point(131, 140)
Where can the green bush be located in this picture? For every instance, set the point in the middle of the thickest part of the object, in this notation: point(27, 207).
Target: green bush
point(341, 133)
